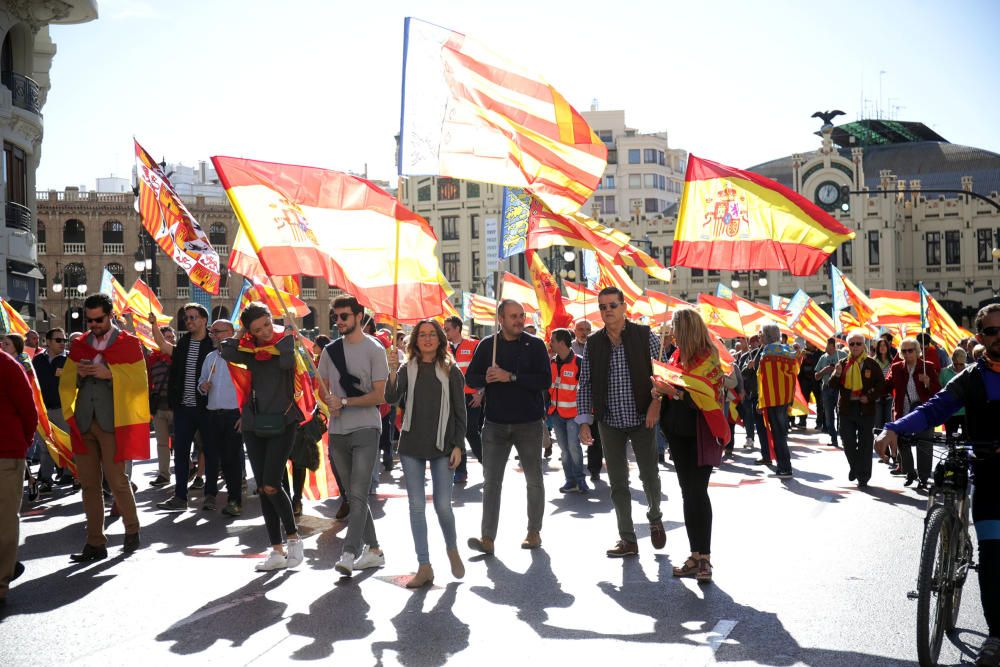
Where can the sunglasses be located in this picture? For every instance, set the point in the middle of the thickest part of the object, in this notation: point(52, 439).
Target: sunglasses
point(218, 331)
point(990, 331)
point(59, 340)
point(856, 344)
point(96, 320)
point(192, 317)
point(909, 349)
point(609, 306)
point(343, 317)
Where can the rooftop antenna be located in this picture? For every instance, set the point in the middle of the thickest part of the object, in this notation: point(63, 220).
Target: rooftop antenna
point(593, 104)
point(881, 73)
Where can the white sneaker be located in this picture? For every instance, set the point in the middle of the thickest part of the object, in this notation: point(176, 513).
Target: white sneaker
point(295, 552)
point(368, 559)
point(346, 564)
point(275, 561)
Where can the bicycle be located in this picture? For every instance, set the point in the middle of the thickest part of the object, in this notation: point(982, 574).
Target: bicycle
point(946, 554)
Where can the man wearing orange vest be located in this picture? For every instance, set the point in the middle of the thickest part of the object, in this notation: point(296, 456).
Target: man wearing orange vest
point(562, 410)
point(462, 349)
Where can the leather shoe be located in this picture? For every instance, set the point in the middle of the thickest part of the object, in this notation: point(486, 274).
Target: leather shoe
point(763, 462)
point(345, 509)
point(90, 553)
point(657, 534)
point(622, 549)
point(532, 540)
point(483, 545)
point(131, 542)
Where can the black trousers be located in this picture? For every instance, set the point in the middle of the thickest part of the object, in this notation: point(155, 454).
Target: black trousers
point(268, 457)
point(693, 480)
point(858, 439)
point(223, 445)
point(986, 516)
point(595, 453)
point(473, 433)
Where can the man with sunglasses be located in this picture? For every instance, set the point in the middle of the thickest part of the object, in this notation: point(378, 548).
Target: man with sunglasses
point(188, 404)
point(912, 379)
point(859, 383)
point(48, 365)
point(615, 389)
point(977, 388)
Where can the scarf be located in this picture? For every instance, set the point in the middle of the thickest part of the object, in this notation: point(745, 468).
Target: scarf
point(993, 365)
point(303, 394)
point(852, 374)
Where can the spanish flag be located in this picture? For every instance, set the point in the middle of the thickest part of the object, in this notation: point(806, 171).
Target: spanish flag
point(738, 220)
point(703, 384)
point(520, 291)
point(56, 439)
point(721, 316)
point(318, 222)
point(131, 394)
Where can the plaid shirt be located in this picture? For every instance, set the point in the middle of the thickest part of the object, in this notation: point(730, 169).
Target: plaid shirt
point(622, 411)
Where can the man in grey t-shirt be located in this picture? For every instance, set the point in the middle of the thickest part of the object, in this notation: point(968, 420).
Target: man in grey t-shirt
point(353, 370)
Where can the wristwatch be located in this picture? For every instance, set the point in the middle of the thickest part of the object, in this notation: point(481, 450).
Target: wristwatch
point(513, 377)
point(343, 402)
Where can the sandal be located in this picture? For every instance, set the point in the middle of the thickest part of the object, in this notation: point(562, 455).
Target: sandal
point(704, 575)
point(688, 569)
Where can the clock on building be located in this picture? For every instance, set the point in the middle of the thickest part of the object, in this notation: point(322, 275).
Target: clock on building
point(827, 194)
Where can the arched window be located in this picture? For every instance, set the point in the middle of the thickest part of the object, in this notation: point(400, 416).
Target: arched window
point(74, 232)
point(41, 232)
point(182, 278)
point(217, 234)
point(74, 274)
point(113, 232)
point(220, 313)
point(118, 271)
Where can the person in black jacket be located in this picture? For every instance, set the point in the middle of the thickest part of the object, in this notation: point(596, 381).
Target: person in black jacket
point(183, 397)
point(516, 384)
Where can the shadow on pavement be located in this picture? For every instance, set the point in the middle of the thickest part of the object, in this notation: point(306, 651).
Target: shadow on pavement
point(347, 605)
point(530, 593)
point(426, 637)
point(60, 588)
point(214, 621)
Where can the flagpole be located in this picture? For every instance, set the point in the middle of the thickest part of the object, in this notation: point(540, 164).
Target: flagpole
point(496, 333)
point(395, 294)
point(291, 320)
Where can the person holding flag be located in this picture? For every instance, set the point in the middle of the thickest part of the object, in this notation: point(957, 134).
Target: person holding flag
point(858, 381)
point(777, 373)
point(103, 391)
point(269, 415)
point(48, 365)
point(693, 450)
point(912, 380)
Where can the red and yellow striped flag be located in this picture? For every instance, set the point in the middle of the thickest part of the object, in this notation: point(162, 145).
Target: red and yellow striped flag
point(721, 316)
point(738, 220)
point(615, 275)
point(11, 320)
point(127, 364)
point(550, 302)
point(468, 113)
point(320, 483)
point(810, 321)
point(520, 291)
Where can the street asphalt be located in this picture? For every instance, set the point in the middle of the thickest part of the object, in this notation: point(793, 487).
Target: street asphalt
point(808, 571)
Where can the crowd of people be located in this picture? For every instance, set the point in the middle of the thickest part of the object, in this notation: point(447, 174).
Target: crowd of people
point(233, 395)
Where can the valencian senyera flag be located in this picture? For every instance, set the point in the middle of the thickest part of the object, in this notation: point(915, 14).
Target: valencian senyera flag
point(318, 222)
point(848, 295)
point(172, 226)
point(11, 320)
point(469, 113)
point(737, 220)
point(936, 320)
point(810, 321)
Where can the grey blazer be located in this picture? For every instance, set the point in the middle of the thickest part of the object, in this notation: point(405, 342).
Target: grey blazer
point(95, 398)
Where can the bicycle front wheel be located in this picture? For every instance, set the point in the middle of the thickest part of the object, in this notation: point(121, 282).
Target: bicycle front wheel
point(934, 583)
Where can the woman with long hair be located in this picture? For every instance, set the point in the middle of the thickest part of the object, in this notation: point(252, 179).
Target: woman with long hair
point(268, 420)
point(431, 390)
point(884, 358)
point(693, 450)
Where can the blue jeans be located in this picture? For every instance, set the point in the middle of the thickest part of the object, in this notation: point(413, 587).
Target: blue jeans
point(187, 422)
point(778, 418)
point(748, 408)
point(829, 396)
point(883, 411)
point(568, 437)
point(441, 485)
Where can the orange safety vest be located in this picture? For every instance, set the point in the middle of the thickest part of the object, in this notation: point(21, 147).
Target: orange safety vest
point(562, 393)
point(463, 357)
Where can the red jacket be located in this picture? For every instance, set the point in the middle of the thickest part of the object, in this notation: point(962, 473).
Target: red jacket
point(897, 377)
point(18, 417)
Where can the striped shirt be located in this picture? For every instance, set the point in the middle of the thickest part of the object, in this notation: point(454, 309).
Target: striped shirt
point(188, 398)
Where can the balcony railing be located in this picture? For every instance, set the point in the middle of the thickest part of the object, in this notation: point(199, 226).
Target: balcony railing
point(41, 247)
point(222, 250)
point(23, 92)
point(43, 292)
point(114, 248)
point(309, 293)
point(223, 292)
point(18, 217)
point(74, 248)
point(183, 292)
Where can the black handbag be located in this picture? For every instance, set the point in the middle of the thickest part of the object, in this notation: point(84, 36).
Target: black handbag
point(268, 425)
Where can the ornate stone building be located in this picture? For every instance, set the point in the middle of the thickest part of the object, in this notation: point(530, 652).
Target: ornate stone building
point(25, 59)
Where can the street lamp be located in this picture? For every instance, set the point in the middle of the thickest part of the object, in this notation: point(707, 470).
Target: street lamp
point(735, 284)
point(762, 281)
point(568, 273)
point(81, 289)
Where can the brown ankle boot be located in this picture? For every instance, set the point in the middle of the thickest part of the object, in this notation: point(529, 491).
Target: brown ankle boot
point(533, 540)
point(423, 577)
point(457, 566)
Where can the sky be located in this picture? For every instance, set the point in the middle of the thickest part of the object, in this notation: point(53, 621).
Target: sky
point(318, 82)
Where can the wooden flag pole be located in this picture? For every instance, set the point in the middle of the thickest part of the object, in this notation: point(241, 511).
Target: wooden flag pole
point(499, 300)
point(295, 333)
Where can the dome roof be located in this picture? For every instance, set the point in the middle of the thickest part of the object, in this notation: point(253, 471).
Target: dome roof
point(937, 164)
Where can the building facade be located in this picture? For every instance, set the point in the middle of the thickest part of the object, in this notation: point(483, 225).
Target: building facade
point(25, 60)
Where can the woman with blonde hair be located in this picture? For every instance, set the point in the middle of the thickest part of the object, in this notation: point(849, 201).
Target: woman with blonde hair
point(693, 449)
point(431, 389)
